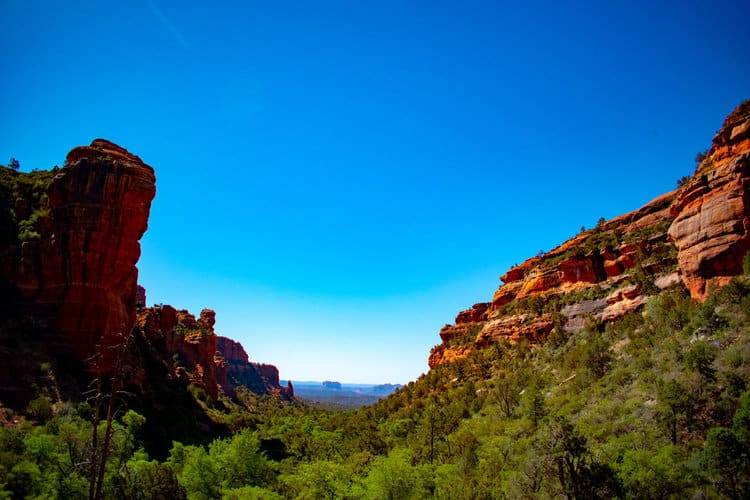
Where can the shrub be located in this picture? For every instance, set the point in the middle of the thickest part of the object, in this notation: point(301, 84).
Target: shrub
point(40, 409)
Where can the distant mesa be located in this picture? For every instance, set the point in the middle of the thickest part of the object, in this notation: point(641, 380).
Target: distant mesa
point(335, 386)
point(385, 389)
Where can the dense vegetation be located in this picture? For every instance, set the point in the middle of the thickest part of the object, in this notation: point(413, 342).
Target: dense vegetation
point(23, 203)
point(655, 405)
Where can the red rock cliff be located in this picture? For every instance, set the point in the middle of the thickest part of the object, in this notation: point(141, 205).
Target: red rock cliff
point(237, 370)
point(192, 353)
point(81, 274)
point(711, 226)
point(698, 234)
point(186, 345)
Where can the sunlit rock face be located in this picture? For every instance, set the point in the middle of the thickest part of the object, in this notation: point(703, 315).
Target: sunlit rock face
point(697, 235)
point(711, 226)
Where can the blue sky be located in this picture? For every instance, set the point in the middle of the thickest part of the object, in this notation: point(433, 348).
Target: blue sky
point(338, 179)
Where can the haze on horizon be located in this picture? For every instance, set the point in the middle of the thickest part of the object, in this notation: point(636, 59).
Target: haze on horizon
point(338, 179)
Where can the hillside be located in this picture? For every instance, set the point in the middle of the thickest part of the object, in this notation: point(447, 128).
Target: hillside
point(697, 235)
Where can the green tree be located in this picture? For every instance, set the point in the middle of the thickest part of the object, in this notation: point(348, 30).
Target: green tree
point(579, 474)
point(198, 473)
point(507, 392)
point(14, 164)
point(596, 356)
point(321, 479)
point(700, 359)
point(727, 463)
point(647, 474)
point(393, 478)
point(240, 462)
point(533, 403)
point(141, 479)
point(675, 400)
point(741, 420)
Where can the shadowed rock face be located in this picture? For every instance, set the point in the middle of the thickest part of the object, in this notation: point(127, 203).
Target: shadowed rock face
point(696, 235)
point(192, 353)
point(81, 275)
point(235, 369)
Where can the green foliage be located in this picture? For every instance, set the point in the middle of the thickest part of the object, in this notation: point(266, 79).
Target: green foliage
point(700, 157)
point(683, 180)
point(727, 463)
point(660, 473)
point(654, 405)
point(20, 223)
point(700, 359)
point(393, 477)
point(228, 464)
point(39, 409)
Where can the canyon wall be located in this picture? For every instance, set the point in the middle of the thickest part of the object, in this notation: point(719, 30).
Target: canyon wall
point(697, 235)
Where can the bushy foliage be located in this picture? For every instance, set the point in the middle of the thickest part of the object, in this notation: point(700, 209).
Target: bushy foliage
point(654, 405)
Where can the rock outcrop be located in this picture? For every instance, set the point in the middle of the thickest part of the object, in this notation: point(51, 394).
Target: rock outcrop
point(697, 235)
point(69, 243)
point(80, 274)
point(193, 353)
point(234, 369)
point(711, 226)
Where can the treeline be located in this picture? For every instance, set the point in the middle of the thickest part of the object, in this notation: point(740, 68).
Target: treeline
point(655, 405)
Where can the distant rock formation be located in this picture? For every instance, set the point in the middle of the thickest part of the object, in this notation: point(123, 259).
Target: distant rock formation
point(385, 388)
point(234, 369)
point(697, 235)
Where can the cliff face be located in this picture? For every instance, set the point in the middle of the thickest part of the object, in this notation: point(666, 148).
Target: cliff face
point(235, 369)
point(711, 226)
point(186, 345)
point(192, 353)
point(69, 243)
point(80, 274)
point(696, 235)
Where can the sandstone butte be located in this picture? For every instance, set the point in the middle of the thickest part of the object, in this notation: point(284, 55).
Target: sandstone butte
point(697, 235)
point(81, 273)
point(77, 283)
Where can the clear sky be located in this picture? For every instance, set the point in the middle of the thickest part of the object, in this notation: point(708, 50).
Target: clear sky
point(338, 179)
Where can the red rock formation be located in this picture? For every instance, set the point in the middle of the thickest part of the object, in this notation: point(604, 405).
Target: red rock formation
point(192, 352)
point(477, 313)
point(700, 233)
point(140, 297)
point(441, 354)
point(81, 275)
point(515, 328)
point(259, 378)
point(185, 345)
point(711, 226)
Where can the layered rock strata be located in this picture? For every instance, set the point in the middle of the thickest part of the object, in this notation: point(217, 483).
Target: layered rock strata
point(80, 274)
point(194, 354)
point(711, 227)
point(697, 235)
